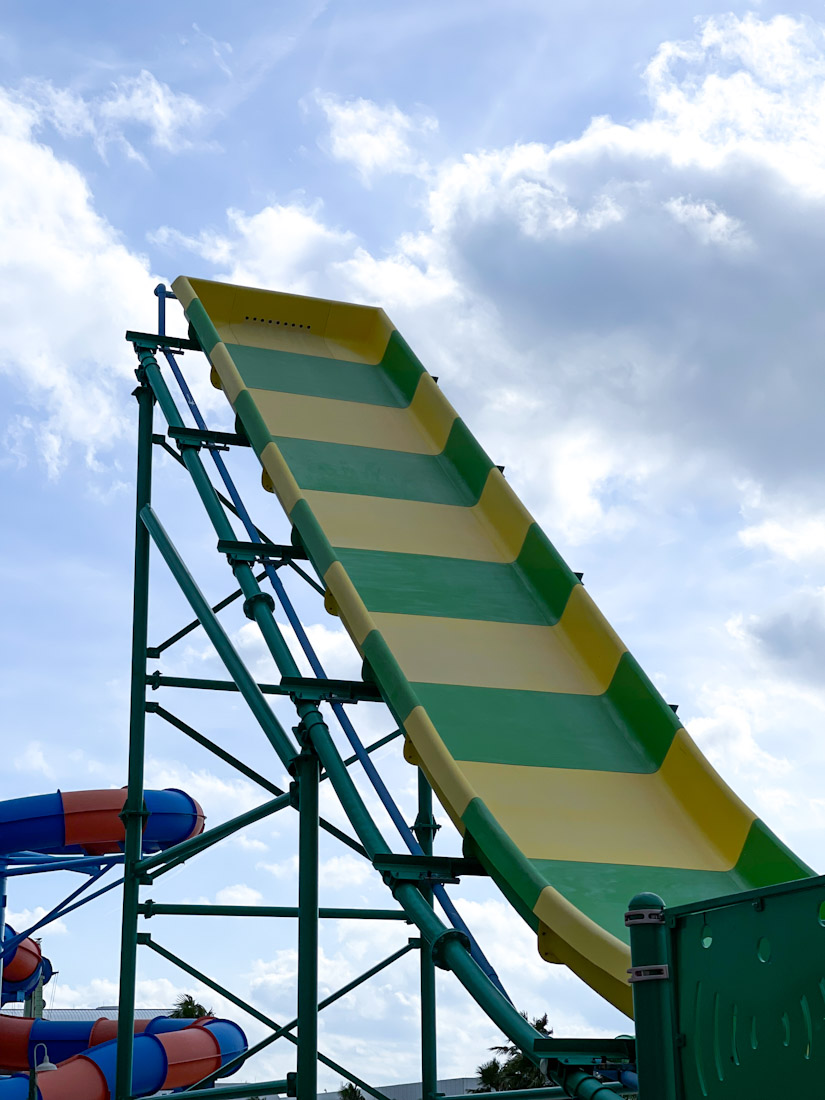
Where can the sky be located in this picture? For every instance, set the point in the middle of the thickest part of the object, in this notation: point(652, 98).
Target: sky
point(600, 225)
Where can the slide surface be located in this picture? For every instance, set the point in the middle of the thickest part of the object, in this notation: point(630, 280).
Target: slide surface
point(559, 762)
point(168, 1053)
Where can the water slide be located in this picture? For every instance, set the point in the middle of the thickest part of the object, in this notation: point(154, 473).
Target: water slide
point(565, 771)
point(168, 1053)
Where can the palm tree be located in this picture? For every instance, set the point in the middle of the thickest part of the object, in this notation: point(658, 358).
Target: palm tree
point(187, 1008)
point(348, 1091)
point(514, 1071)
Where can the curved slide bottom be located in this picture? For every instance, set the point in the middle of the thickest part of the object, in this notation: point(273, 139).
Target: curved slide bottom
point(167, 1060)
point(23, 969)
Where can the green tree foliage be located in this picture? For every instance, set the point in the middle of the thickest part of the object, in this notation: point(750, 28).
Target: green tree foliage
point(187, 1008)
point(511, 1070)
point(348, 1091)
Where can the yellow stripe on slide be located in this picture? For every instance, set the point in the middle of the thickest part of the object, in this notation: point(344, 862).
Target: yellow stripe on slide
point(578, 655)
point(680, 816)
point(567, 936)
point(494, 529)
point(421, 428)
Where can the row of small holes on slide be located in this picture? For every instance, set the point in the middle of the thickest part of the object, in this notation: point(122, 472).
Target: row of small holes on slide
point(763, 947)
point(286, 324)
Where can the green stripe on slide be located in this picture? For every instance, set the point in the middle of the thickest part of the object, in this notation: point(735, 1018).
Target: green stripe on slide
point(619, 731)
point(369, 471)
point(420, 584)
point(204, 329)
point(387, 383)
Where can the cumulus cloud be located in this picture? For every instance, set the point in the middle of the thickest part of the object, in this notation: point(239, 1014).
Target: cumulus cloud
point(287, 246)
point(133, 104)
point(32, 758)
point(376, 140)
point(69, 281)
point(239, 894)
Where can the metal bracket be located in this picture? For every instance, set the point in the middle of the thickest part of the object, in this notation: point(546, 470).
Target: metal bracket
point(249, 603)
point(425, 870)
point(249, 552)
point(154, 340)
point(440, 942)
point(586, 1051)
point(644, 916)
point(657, 972)
point(313, 690)
point(201, 437)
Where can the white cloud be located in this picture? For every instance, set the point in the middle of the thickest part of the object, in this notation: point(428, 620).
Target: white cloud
point(32, 758)
point(344, 871)
point(710, 224)
point(240, 894)
point(249, 844)
point(376, 140)
point(283, 246)
point(793, 537)
point(63, 261)
point(220, 798)
point(21, 919)
point(141, 103)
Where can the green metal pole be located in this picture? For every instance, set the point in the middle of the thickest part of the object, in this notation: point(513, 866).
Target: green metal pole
point(230, 1092)
point(133, 810)
point(307, 775)
point(279, 1030)
point(554, 1092)
point(219, 638)
point(652, 1008)
point(342, 992)
point(151, 908)
point(424, 829)
point(180, 852)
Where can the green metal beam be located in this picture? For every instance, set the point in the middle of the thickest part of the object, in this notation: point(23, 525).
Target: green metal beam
point(239, 1002)
point(307, 772)
point(653, 1001)
point(229, 1092)
point(133, 811)
point(225, 501)
point(151, 908)
point(555, 1092)
point(205, 742)
point(149, 341)
point(153, 652)
point(250, 773)
point(424, 829)
point(272, 728)
point(342, 992)
point(158, 679)
point(221, 440)
point(370, 748)
point(165, 861)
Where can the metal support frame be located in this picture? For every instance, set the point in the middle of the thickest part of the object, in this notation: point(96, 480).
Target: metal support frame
point(311, 755)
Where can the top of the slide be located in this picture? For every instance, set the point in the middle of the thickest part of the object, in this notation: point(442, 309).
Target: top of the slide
point(566, 772)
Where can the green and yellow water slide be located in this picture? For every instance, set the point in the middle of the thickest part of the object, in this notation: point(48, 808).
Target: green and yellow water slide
point(567, 774)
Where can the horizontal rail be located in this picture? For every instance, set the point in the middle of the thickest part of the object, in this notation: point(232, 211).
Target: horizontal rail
point(150, 908)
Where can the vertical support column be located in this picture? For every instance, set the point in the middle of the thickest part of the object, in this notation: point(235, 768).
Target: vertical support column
point(652, 1004)
point(3, 902)
point(307, 775)
point(425, 828)
point(133, 811)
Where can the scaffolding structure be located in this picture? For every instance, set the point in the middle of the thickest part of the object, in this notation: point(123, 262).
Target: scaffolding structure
point(415, 879)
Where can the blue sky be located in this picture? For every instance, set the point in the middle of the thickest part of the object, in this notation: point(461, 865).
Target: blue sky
point(601, 227)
